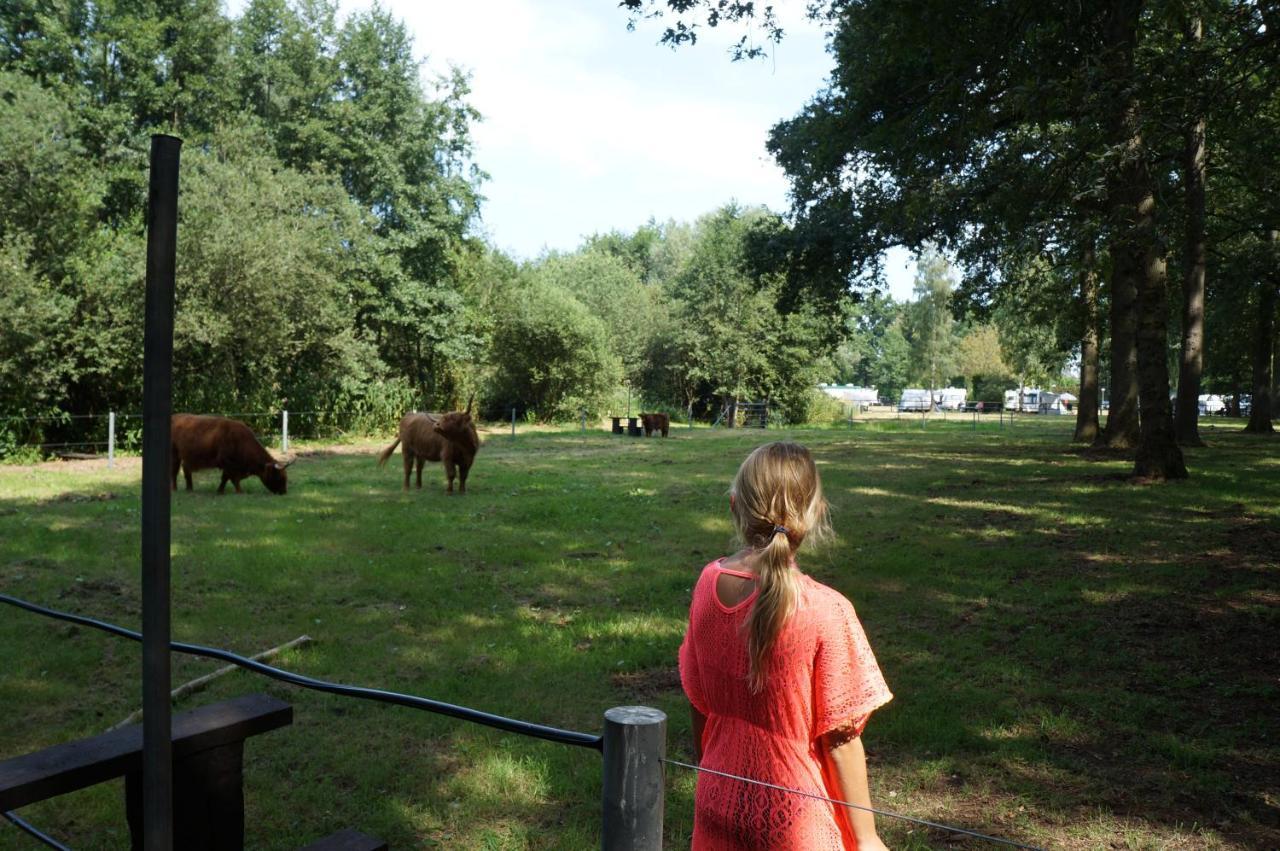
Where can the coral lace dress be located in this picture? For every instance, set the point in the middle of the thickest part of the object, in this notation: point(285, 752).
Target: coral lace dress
point(821, 676)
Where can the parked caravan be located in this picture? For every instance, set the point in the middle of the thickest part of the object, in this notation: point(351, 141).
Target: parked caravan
point(951, 398)
point(1057, 403)
point(1211, 404)
point(915, 399)
point(863, 397)
point(1030, 400)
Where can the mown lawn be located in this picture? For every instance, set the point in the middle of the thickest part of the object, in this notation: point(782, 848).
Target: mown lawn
point(1079, 661)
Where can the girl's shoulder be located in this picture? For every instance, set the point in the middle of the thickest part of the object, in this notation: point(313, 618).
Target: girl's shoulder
point(823, 602)
point(707, 577)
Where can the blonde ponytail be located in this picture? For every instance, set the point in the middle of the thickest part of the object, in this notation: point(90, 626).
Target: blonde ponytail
point(777, 503)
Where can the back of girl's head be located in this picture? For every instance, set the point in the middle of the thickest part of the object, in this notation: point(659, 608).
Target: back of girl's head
point(777, 504)
point(778, 485)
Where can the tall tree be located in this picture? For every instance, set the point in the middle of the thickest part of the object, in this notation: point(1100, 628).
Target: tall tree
point(929, 322)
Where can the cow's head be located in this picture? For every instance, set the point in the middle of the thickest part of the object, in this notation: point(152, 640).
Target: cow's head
point(275, 476)
point(456, 426)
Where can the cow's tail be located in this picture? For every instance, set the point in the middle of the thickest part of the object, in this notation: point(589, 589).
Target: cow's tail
point(386, 453)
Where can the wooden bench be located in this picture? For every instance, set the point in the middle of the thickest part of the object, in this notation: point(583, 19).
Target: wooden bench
point(208, 774)
point(632, 427)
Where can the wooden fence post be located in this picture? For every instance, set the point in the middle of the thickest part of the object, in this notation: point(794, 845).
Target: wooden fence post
point(635, 743)
point(111, 439)
point(157, 405)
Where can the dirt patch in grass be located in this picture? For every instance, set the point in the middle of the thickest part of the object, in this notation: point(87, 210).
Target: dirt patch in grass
point(118, 596)
point(647, 684)
point(70, 496)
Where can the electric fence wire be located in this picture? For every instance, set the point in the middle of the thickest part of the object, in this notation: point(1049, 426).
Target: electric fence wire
point(35, 832)
point(466, 713)
point(887, 813)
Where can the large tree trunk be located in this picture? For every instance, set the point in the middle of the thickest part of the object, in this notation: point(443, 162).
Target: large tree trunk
point(1187, 409)
point(1275, 372)
point(1122, 415)
point(1133, 207)
point(1264, 340)
point(1087, 405)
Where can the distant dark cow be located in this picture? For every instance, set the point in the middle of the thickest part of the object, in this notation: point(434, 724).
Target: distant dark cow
point(450, 438)
point(205, 443)
point(655, 422)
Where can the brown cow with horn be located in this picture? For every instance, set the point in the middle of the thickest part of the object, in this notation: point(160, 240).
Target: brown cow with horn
point(450, 438)
point(206, 442)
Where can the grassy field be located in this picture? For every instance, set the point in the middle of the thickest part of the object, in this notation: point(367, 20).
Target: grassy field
point(1079, 661)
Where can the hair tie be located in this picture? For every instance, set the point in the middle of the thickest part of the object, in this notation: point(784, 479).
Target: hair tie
point(783, 529)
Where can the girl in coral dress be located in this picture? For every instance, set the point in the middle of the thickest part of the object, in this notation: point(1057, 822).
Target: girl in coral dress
point(779, 676)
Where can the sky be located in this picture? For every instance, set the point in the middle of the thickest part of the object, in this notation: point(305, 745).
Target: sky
point(589, 128)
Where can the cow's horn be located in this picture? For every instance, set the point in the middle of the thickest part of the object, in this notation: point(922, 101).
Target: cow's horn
point(469, 401)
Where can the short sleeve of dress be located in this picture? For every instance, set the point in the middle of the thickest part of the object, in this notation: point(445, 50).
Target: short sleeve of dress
point(847, 683)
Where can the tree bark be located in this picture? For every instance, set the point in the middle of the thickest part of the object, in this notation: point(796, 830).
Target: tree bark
point(1187, 408)
point(1263, 343)
point(1087, 404)
point(1131, 194)
point(1121, 431)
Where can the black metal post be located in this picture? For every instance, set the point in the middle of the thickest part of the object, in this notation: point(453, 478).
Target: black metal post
point(635, 743)
point(157, 407)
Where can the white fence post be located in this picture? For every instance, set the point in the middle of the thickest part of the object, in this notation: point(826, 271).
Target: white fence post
point(284, 431)
point(111, 439)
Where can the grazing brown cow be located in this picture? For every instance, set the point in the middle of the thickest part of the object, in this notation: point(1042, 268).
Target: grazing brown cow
point(203, 443)
point(655, 422)
point(450, 438)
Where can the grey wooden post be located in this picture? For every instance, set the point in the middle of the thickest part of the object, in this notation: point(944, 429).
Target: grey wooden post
point(513, 422)
point(111, 439)
point(635, 743)
point(284, 431)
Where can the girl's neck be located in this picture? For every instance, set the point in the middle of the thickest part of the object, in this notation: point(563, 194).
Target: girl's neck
point(745, 560)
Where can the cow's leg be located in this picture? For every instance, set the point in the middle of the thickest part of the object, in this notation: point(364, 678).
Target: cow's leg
point(174, 463)
point(222, 485)
point(408, 463)
point(186, 474)
point(463, 469)
point(235, 480)
point(450, 471)
point(421, 461)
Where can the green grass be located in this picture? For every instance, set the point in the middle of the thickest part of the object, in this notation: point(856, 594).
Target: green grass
point(1078, 661)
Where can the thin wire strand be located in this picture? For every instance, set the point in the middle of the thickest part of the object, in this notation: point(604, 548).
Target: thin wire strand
point(35, 832)
point(439, 707)
point(937, 825)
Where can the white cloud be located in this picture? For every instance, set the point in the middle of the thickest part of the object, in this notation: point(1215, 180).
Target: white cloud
point(588, 127)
